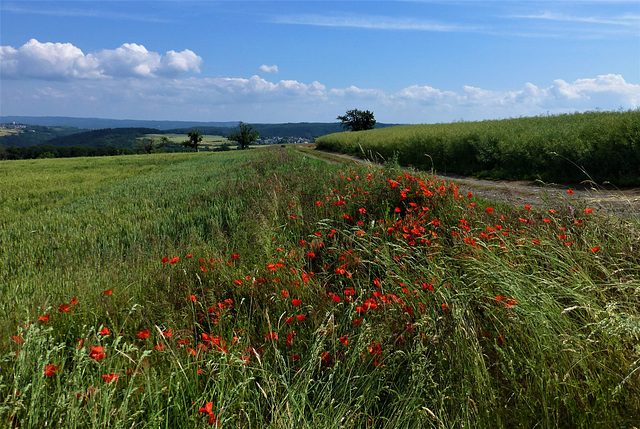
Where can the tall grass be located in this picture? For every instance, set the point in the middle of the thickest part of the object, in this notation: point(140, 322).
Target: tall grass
point(264, 289)
point(568, 148)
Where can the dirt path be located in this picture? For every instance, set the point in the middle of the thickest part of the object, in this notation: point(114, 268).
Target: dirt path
point(620, 202)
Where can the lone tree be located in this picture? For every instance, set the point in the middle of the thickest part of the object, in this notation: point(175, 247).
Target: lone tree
point(244, 134)
point(195, 138)
point(357, 120)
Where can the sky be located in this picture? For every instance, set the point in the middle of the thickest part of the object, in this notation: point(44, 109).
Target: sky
point(310, 61)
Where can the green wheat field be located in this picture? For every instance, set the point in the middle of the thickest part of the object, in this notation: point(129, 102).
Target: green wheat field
point(267, 289)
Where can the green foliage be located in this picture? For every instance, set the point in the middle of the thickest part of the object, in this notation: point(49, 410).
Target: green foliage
point(354, 298)
point(357, 120)
point(244, 134)
point(605, 145)
point(34, 135)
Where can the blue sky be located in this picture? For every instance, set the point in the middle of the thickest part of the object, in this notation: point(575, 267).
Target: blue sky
point(294, 61)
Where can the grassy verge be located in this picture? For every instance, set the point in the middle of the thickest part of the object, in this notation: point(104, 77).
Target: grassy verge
point(601, 146)
point(266, 289)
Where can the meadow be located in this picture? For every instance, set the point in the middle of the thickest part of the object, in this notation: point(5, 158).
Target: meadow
point(264, 288)
point(568, 148)
point(209, 142)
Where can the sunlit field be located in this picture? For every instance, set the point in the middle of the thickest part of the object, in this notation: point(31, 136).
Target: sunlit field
point(569, 148)
point(263, 288)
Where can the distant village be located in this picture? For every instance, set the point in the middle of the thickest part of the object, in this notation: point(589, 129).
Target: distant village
point(14, 126)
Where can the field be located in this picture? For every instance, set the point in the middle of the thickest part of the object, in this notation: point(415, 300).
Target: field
point(7, 132)
point(208, 141)
point(264, 288)
point(569, 148)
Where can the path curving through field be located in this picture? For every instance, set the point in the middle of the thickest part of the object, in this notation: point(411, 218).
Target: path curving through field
point(620, 202)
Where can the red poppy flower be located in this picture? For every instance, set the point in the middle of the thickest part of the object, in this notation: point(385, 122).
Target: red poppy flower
point(595, 249)
point(271, 336)
point(18, 339)
point(296, 302)
point(143, 334)
point(44, 318)
point(108, 292)
point(570, 191)
point(344, 340)
point(311, 255)
point(527, 206)
point(290, 337)
point(489, 210)
point(285, 293)
point(301, 317)
point(108, 378)
point(96, 353)
point(104, 331)
point(50, 370)
point(165, 260)
point(192, 298)
point(64, 308)
point(74, 301)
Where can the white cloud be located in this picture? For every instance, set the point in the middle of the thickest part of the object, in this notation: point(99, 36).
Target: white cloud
point(64, 61)
point(268, 69)
point(132, 82)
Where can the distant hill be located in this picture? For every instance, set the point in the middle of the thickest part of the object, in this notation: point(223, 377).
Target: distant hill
point(309, 130)
point(108, 137)
point(34, 135)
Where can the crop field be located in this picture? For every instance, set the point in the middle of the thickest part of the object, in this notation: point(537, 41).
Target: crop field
point(264, 288)
point(207, 141)
point(570, 148)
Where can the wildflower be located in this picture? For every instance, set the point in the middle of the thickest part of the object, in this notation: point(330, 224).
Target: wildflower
point(74, 301)
point(50, 370)
point(588, 210)
point(107, 292)
point(165, 260)
point(271, 336)
point(311, 255)
point(290, 337)
point(108, 378)
point(527, 206)
point(104, 331)
point(192, 298)
point(301, 317)
point(595, 249)
point(96, 353)
point(143, 334)
point(344, 339)
point(64, 308)
point(285, 293)
point(174, 259)
point(362, 210)
point(207, 409)
point(489, 210)
point(296, 302)
point(18, 339)
point(44, 318)
point(375, 349)
point(570, 191)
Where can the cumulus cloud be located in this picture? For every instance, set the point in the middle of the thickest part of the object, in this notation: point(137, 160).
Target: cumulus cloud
point(268, 69)
point(64, 61)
